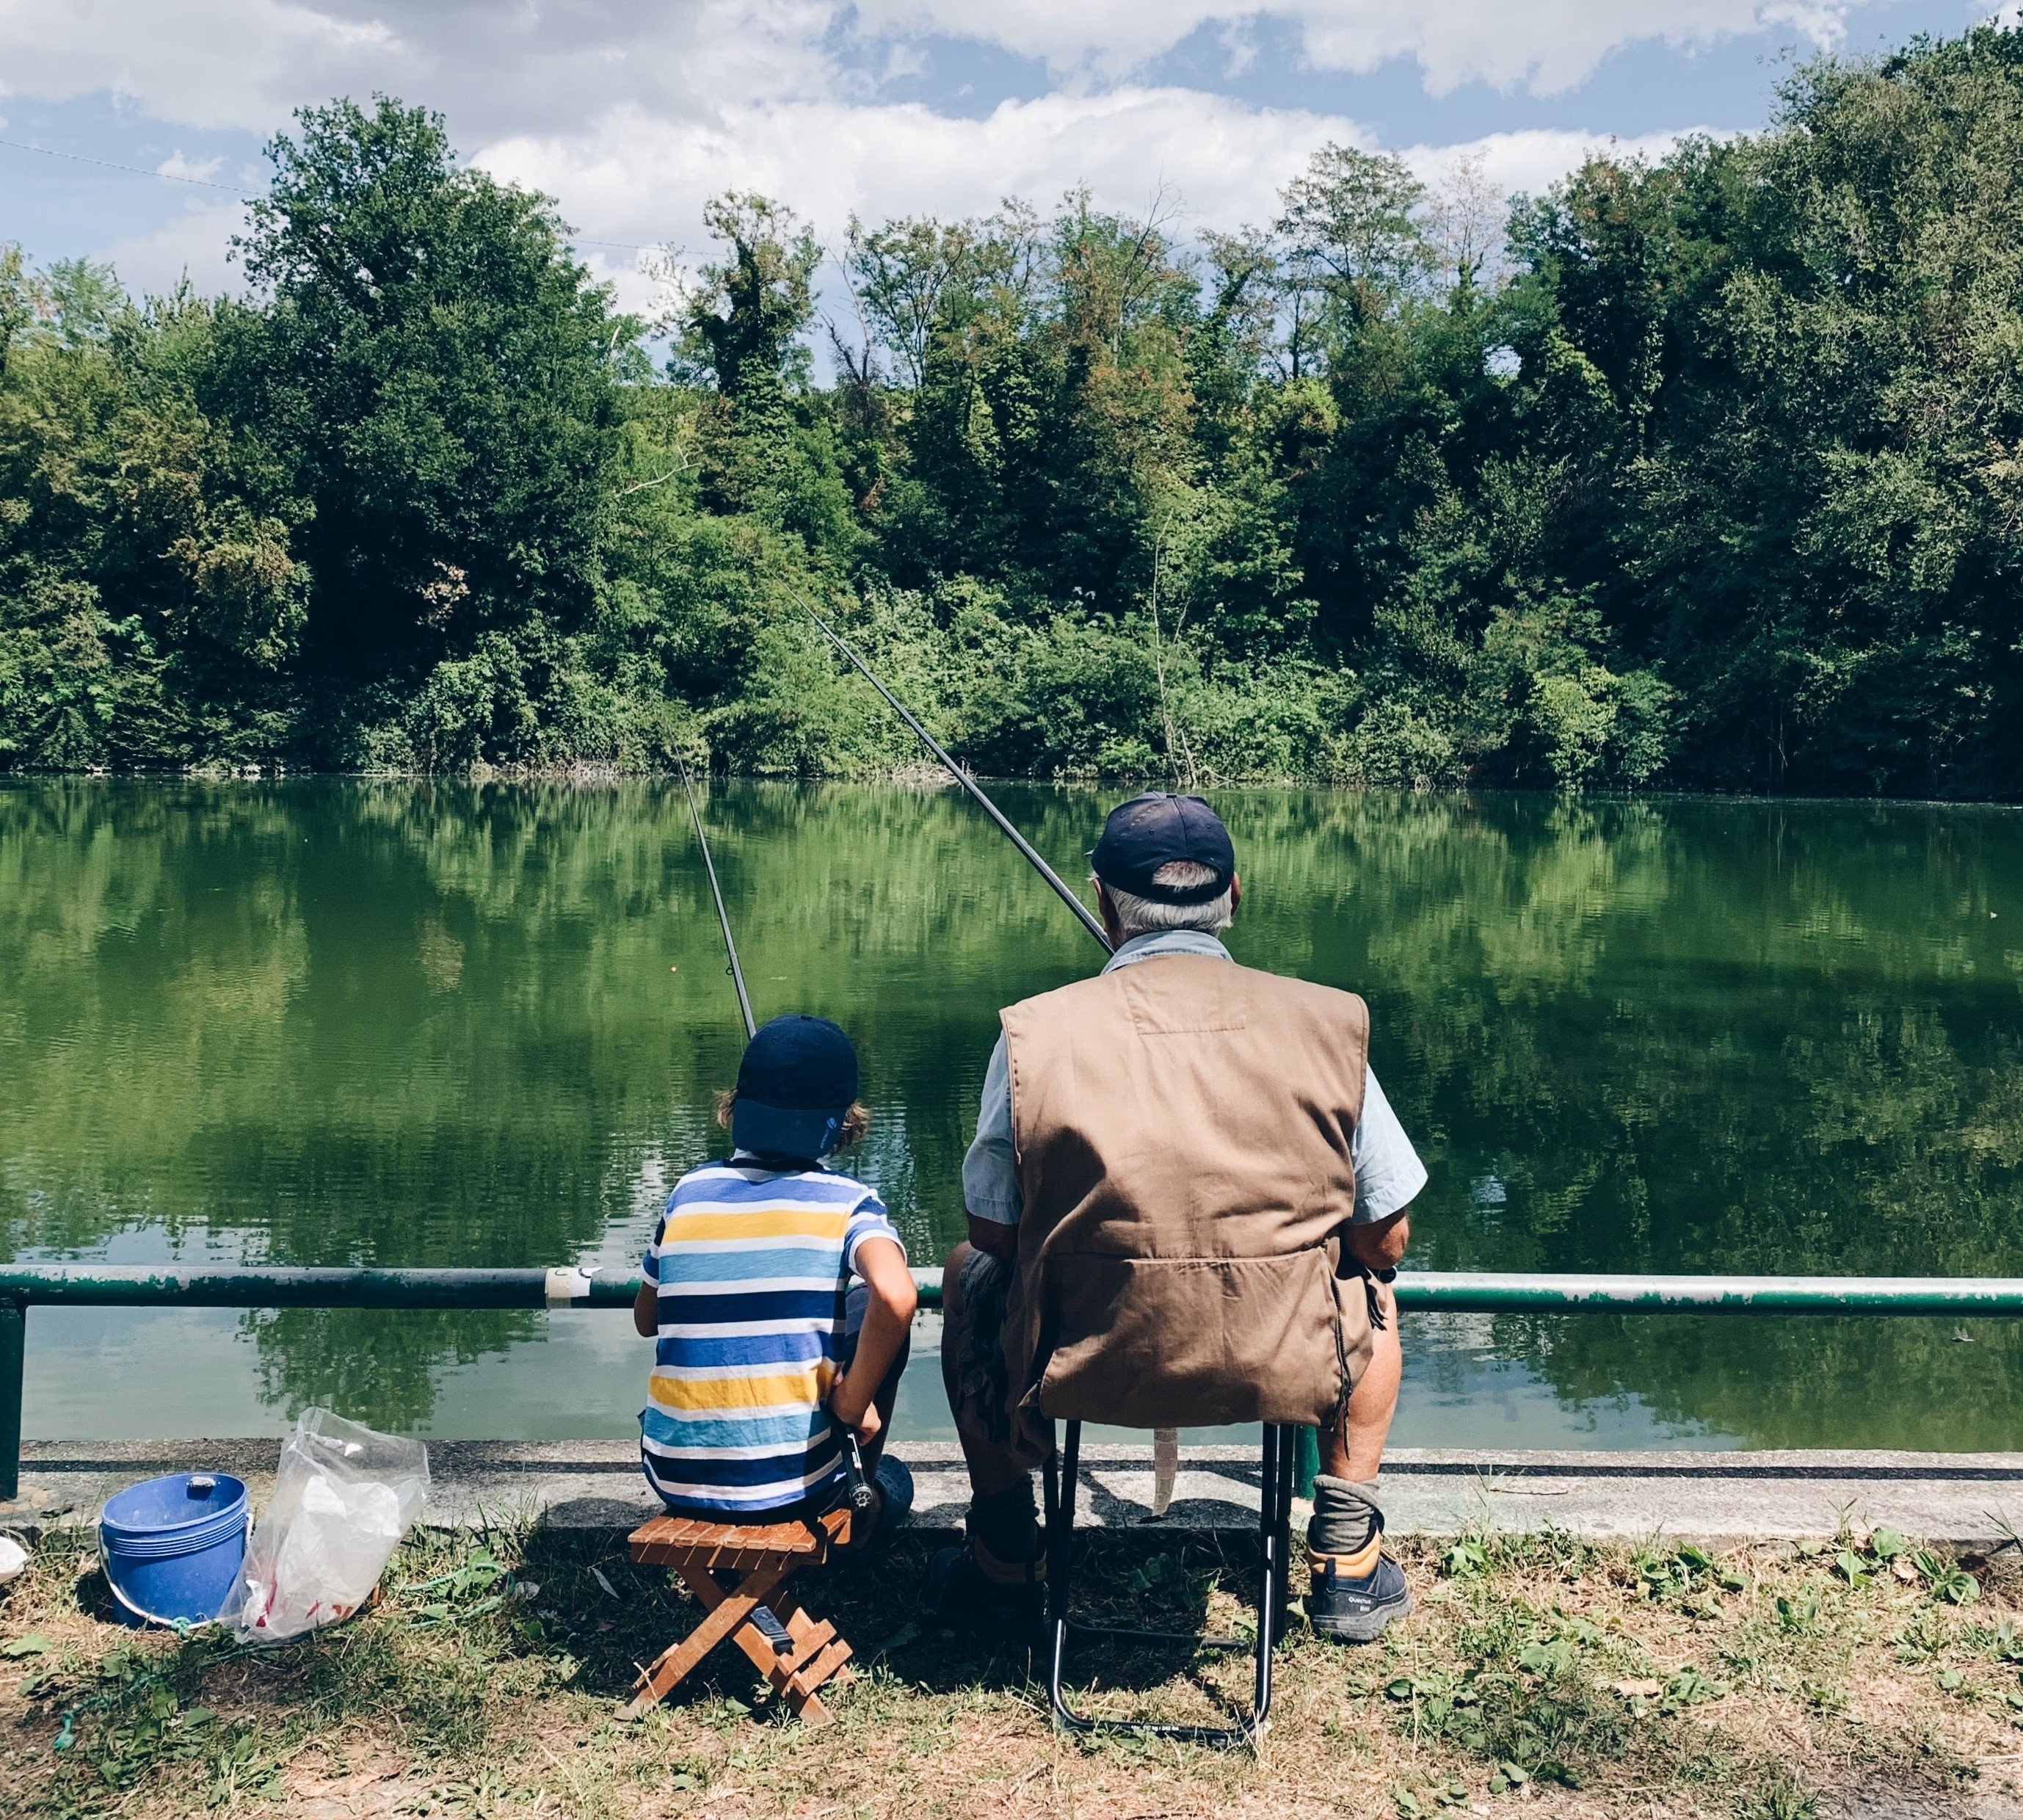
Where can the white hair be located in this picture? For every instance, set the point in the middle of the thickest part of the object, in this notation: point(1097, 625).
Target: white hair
point(1139, 915)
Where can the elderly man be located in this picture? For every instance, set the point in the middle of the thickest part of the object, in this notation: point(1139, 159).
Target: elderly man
point(1178, 1121)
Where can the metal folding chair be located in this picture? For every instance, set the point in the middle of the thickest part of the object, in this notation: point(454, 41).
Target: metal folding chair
point(1275, 1511)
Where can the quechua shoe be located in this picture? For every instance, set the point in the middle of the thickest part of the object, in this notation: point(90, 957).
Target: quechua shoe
point(1354, 1597)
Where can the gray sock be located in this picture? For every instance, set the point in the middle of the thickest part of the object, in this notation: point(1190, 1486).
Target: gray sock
point(1346, 1515)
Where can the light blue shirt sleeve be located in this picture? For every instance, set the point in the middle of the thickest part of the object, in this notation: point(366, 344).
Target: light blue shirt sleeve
point(868, 1219)
point(1388, 1173)
point(989, 1174)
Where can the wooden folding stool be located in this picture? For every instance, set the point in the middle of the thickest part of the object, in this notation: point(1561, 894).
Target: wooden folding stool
point(763, 1556)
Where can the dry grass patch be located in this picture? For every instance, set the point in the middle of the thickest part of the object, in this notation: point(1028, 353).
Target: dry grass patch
point(1540, 1675)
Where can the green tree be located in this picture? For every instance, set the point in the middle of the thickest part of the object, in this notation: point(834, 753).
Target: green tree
point(441, 372)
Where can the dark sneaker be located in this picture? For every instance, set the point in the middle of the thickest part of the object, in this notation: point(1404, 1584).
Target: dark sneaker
point(895, 1488)
point(1356, 1611)
point(965, 1598)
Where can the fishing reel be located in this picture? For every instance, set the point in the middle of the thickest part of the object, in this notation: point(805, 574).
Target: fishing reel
point(859, 1492)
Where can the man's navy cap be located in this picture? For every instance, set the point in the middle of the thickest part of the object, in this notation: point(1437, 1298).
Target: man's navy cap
point(798, 1078)
point(1155, 829)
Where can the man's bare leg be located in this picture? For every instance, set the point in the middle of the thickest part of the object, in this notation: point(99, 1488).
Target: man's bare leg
point(1358, 1590)
point(995, 1581)
point(992, 1469)
point(1356, 1451)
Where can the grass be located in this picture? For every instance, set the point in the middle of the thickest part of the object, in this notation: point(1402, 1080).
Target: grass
point(1540, 1675)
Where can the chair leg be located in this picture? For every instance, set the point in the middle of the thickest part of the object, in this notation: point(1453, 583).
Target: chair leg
point(1274, 1515)
point(1291, 1440)
point(1060, 1539)
point(1273, 1511)
point(813, 1657)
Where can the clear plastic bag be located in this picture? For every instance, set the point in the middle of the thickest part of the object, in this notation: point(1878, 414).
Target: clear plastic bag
point(343, 1498)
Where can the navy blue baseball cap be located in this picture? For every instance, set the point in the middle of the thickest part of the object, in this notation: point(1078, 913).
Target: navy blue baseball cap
point(1155, 829)
point(797, 1079)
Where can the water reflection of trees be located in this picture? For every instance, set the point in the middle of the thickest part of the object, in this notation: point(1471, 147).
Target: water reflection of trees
point(326, 1023)
point(1702, 1036)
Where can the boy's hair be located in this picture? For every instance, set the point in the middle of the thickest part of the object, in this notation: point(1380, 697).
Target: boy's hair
point(856, 1122)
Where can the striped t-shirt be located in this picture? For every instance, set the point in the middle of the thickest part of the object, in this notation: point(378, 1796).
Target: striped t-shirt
point(752, 1265)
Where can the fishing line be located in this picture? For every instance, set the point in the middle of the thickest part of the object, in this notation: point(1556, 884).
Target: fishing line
point(722, 916)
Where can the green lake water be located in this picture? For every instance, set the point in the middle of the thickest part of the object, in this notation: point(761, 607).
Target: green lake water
point(336, 1022)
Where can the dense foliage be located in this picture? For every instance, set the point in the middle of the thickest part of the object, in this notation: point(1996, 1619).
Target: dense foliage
point(1706, 475)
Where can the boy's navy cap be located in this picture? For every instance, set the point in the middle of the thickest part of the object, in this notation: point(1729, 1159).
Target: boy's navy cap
point(1155, 829)
point(796, 1081)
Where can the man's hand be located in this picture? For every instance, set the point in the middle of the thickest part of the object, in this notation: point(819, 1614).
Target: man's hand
point(1380, 1245)
point(993, 1239)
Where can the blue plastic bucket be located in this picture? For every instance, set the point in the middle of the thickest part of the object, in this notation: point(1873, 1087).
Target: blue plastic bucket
point(172, 1547)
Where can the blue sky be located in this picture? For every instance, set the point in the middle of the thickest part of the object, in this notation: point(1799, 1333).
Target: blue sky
point(631, 113)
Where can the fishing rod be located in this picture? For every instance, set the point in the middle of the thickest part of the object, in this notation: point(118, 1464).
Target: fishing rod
point(722, 916)
point(1165, 1442)
point(1083, 913)
point(859, 1483)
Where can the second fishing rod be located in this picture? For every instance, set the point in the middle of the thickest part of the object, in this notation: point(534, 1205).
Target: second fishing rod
point(858, 1481)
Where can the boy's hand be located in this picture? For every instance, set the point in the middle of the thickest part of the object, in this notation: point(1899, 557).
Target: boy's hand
point(883, 1265)
point(856, 1412)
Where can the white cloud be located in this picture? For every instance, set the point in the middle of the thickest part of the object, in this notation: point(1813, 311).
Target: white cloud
point(226, 63)
point(631, 178)
point(1529, 162)
point(190, 169)
point(1545, 45)
point(497, 69)
point(490, 68)
point(196, 242)
point(633, 111)
point(650, 177)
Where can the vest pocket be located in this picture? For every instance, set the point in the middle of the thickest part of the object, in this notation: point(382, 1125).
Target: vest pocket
point(1173, 1342)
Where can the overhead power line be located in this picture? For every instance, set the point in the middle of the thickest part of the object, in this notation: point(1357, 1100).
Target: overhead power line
point(232, 189)
point(132, 170)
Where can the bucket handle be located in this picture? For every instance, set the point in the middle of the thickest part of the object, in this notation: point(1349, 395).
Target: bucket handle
point(182, 1627)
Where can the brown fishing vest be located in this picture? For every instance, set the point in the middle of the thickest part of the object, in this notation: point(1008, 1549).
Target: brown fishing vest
point(1182, 1130)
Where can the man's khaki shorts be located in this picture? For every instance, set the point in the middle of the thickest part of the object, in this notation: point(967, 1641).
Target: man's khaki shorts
point(973, 1349)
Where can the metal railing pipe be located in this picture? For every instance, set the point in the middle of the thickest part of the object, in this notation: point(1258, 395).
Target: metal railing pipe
point(1505, 1292)
point(209, 1285)
point(23, 1285)
point(1450, 1291)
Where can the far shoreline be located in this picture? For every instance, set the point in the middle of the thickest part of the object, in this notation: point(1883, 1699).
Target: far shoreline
point(592, 777)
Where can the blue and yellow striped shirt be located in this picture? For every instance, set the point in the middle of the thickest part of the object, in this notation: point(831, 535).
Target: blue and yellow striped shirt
point(752, 1265)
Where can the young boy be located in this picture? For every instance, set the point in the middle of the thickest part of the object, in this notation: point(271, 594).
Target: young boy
point(763, 1345)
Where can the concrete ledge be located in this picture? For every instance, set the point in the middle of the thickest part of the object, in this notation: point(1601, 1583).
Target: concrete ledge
point(1711, 1497)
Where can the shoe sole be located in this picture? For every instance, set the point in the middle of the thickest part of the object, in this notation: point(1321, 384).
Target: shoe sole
point(1366, 1628)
